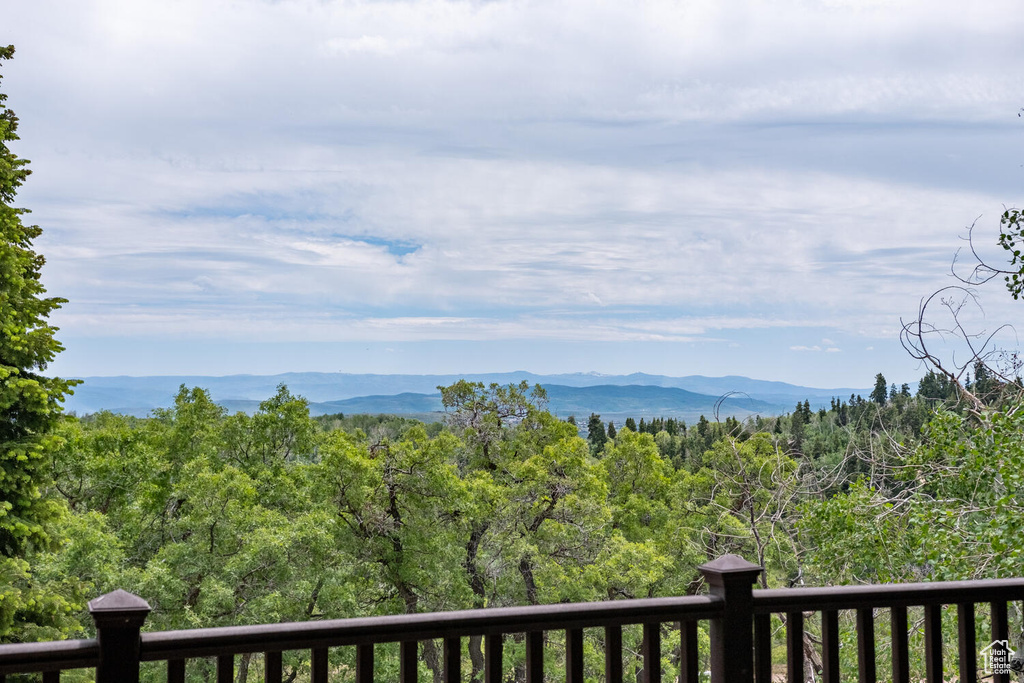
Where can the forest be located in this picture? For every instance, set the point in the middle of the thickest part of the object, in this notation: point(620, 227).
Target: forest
point(219, 519)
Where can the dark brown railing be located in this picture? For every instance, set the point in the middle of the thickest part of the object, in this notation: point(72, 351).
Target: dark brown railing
point(740, 633)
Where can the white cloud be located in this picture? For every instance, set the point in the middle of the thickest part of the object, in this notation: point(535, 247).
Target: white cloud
point(572, 170)
point(521, 236)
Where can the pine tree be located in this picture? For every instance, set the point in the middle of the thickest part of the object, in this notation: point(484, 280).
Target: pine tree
point(596, 434)
point(30, 404)
point(797, 421)
point(881, 390)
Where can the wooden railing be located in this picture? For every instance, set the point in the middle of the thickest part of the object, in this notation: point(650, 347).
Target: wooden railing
point(740, 634)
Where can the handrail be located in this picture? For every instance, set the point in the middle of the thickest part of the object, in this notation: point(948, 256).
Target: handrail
point(408, 627)
point(49, 656)
point(817, 599)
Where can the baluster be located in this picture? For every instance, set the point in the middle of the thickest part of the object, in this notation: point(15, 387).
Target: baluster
point(452, 664)
point(272, 667)
point(494, 666)
point(830, 646)
point(175, 671)
point(762, 648)
point(318, 666)
point(574, 655)
point(689, 659)
point(364, 663)
point(535, 657)
point(795, 647)
point(613, 654)
point(900, 647)
point(651, 648)
point(408, 665)
point(966, 641)
point(225, 669)
point(933, 643)
point(866, 645)
point(1000, 631)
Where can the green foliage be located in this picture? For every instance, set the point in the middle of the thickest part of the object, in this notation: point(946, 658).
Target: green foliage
point(951, 507)
point(742, 498)
point(973, 494)
point(1011, 238)
point(395, 505)
point(30, 408)
point(229, 519)
point(857, 536)
point(375, 427)
point(937, 387)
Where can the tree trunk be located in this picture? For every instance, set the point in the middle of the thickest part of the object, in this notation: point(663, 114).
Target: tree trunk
point(432, 660)
point(476, 583)
point(526, 570)
point(476, 658)
point(243, 668)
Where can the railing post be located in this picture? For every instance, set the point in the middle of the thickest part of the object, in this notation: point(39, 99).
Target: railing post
point(732, 637)
point(118, 617)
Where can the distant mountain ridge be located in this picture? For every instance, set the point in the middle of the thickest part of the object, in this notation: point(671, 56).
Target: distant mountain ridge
point(636, 394)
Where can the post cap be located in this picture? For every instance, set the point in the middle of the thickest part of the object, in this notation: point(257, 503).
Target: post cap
point(119, 608)
point(731, 568)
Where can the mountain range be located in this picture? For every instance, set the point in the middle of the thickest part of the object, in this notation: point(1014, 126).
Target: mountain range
point(613, 396)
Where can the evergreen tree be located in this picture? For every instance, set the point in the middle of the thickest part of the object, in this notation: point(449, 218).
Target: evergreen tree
point(881, 390)
point(936, 386)
point(611, 429)
point(596, 434)
point(705, 435)
point(985, 383)
point(797, 421)
point(29, 404)
point(631, 425)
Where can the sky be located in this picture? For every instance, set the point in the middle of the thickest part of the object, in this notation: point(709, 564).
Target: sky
point(674, 187)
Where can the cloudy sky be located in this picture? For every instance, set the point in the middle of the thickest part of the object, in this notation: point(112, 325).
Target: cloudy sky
point(680, 187)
